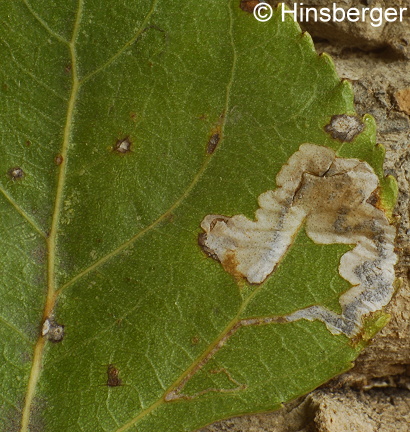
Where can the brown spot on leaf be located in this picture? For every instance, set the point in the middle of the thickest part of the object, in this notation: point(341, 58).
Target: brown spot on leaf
point(16, 173)
point(123, 145)
point(403, 100)
point(28, 143)
point(216, 135)
point(248, 5)
point(113, 379)
point(213, 142)
point(344, 127)
point(170, 217)
point(58, 160)
point(195, 340)
point(53, 331)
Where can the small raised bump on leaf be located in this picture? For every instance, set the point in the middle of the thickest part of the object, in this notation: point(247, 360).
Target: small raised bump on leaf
point(334, 199)
point(195, 340)
point(16, 173)
point(113, 379)
point(58, 160)
point(123, 145)
point(213, 142)
point(344, 127)
point(53, 331)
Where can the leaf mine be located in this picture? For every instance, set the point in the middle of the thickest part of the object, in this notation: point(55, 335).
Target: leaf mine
point(213, 142)
point(58, 159)
point(113, 379)
point(16, 173)
point(332, 197)
point(123, 145)
point(53, 331)
point(344, 127)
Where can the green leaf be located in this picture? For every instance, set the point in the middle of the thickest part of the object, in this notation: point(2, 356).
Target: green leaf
point(124, 125)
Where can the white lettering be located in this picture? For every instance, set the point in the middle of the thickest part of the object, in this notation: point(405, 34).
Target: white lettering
point(336, 10)
point(364, 10)
point(294, 12)
point(353, 15)
point(376, 20)
point(376, 15)
point(325, 15)
point(308, 10)
point(388, 12)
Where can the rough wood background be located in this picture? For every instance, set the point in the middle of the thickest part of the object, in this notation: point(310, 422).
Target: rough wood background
point(375, 395)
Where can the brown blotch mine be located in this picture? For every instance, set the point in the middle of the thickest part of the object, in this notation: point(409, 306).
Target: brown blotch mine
point(123, 146)
point(375, 199)
point(248, 5)
point(53, 331)
point(213, 142)
point(344, 127)
point(58, 160)
point(113, 379)
point(15, 173)
point(230, 264)
point(215, 135)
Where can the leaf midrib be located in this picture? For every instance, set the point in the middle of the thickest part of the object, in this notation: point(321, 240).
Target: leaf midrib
point(51, 240)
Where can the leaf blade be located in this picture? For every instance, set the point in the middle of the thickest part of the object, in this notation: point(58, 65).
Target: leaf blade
point(133, 288)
